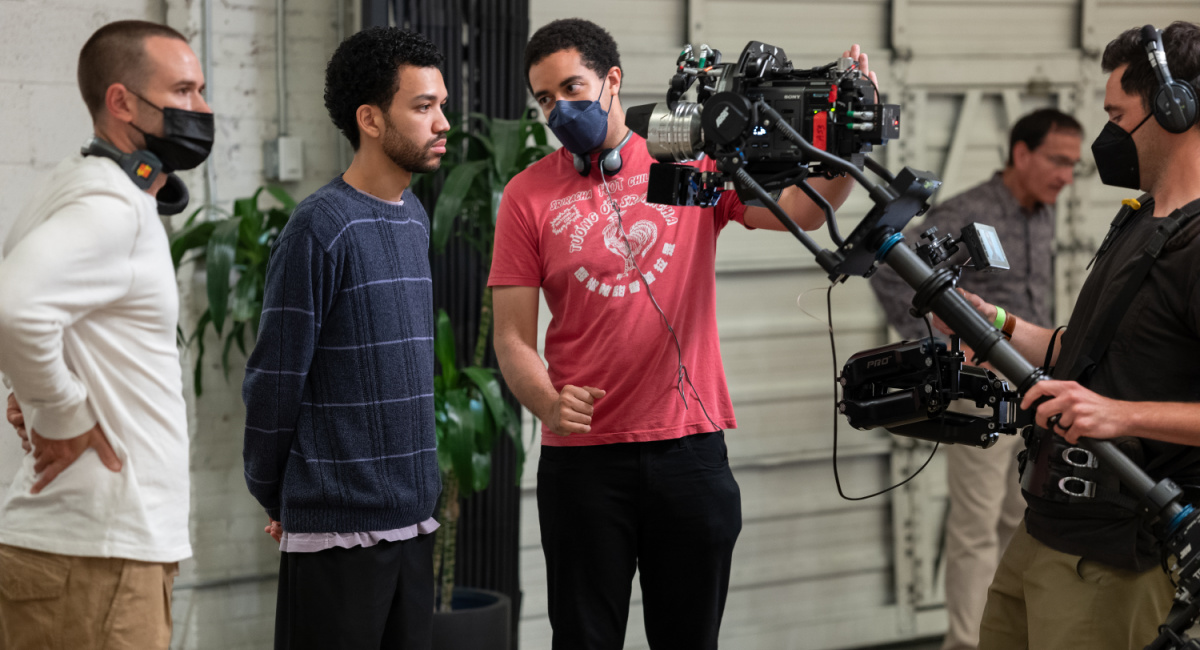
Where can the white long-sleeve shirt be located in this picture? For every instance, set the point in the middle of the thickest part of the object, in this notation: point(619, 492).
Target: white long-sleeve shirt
point(88, 315)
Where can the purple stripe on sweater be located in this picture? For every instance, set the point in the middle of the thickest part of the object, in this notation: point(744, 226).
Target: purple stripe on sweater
point(399, 222)
point(363, 460)
point(250, 428)
point(258, 481)
point(275, 372)
point(295, 309)
point(372, 403)
point(371, 345)
point(390, 281)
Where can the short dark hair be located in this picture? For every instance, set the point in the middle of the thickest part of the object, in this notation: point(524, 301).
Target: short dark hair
point(596, 46)
point(116, 53)
point(1033, 128)
point(1181, 42)
point(364, 70)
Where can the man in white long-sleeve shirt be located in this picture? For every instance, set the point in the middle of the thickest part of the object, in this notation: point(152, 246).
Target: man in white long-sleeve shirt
point(90, 542)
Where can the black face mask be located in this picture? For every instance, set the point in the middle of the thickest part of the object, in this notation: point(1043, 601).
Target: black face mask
point(1116, 156)
point(186, 141)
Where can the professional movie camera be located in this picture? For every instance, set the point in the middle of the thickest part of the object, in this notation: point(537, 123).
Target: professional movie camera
point(832, 107)
point(760, 121)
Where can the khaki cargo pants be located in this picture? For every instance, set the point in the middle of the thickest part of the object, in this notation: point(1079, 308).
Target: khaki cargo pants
point(62, 602)
point(1042, 599)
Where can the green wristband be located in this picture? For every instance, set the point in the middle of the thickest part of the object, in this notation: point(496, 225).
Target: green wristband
point(1001, 316)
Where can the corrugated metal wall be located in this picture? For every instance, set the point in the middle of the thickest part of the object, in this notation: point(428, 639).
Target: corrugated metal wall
point(812, 570)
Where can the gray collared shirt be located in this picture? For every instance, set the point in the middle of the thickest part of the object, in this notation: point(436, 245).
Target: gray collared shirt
point(1027, 289)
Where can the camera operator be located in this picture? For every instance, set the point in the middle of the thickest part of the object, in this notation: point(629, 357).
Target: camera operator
point(90, 542)
point(1084, 571)
point(985, 498)
point(634, 472)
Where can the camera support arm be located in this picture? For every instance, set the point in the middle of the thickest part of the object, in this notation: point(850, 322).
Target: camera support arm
point(1176, 523)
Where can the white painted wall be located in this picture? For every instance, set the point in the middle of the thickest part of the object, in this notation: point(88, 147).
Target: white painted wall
point(221, 598)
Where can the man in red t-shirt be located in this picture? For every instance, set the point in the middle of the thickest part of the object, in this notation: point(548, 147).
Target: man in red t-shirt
point(634, 472)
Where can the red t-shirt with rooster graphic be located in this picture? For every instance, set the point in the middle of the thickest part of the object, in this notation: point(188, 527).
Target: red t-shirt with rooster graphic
point(557, 230)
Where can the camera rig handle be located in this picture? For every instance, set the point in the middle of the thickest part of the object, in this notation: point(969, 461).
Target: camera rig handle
point(877, 239)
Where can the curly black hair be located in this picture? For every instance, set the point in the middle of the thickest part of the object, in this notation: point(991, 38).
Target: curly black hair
point(596, 46)
point(364, 70)
point(1181, 43)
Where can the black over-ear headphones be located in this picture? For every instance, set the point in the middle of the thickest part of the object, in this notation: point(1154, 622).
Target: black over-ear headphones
point(1174, 101)
point(143, 167)
point(609, 160)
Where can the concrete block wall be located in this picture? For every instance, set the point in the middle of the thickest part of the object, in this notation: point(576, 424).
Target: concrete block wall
point(225, 595)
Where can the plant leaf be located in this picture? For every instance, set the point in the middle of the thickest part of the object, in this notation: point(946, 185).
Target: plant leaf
point(485, 381)
point(283, 197)
point(188, 238)
point(245, 300)
point(458, 437)
point(537, 130)
point(240, 336)
point(443, 347)
point(192, 216)
point(507, 140)
point(222, 247)
point(198, 337)
point(229, 339)
point(450, 202)
point(482, 470)
point(276, 220)
point(514, 434)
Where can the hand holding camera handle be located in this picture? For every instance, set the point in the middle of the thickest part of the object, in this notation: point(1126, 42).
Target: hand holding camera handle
point(990, 346)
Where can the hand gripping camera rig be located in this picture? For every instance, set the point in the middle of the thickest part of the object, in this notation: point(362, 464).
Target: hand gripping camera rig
point(768, 126)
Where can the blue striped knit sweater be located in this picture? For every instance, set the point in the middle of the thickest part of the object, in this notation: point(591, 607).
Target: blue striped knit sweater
point(339, 388)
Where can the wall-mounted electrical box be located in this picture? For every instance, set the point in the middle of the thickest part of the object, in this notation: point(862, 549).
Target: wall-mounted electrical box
point(283, 158)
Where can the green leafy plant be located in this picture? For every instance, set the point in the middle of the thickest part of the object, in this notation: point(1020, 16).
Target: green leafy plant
point(471, 413)
point(235, 250)
point(469, 407)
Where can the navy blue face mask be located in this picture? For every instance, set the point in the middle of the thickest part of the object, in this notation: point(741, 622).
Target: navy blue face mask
point(580, 125)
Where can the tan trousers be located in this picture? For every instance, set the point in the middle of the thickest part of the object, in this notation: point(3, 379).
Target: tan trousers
point(1042, 599)
point(986, 507)
point(62, 602)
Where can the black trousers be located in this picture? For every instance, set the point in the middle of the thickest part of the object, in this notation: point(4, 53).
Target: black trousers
point(357, 598)
point(669, 509)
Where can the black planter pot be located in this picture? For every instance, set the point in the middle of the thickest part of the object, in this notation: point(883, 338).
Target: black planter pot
point(479, 620)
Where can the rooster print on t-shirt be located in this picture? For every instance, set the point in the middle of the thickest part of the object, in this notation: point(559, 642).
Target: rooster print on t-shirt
point(587, 219)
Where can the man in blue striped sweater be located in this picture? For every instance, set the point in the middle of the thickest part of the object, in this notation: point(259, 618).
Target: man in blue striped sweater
point(339, 444)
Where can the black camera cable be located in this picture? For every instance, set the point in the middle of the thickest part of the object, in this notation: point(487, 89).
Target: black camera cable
point(837, 479)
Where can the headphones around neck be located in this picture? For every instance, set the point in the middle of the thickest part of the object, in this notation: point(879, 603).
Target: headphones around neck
point(1175, 101)
point(143, 167)
point(609, 160)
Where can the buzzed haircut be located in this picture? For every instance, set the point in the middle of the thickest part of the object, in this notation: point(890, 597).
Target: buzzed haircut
point(1033, 128)
point(364, 70)
point(116, 53)
point(597, 49)
point(1181, 44)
